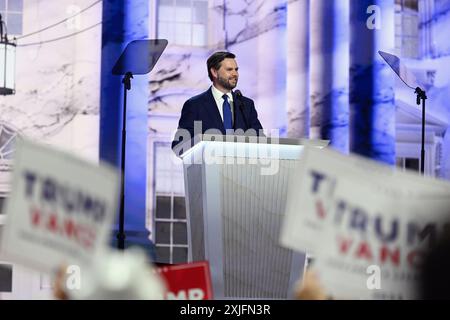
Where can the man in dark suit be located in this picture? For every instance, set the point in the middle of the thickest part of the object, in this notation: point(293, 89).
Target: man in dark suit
point(218, 109)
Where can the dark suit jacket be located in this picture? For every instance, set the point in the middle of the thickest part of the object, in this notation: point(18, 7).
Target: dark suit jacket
point(203, 108)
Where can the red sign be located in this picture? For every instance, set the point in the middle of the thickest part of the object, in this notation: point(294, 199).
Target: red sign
point(190, 281)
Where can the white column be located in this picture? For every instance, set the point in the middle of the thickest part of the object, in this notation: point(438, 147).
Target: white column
point(271, 65)
point(297, 84)
point(426, 10)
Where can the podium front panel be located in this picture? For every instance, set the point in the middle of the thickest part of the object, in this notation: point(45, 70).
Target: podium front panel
point(235, 211)
point(254, 264)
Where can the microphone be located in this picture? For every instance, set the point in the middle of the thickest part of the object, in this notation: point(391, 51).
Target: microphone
point(241, 104)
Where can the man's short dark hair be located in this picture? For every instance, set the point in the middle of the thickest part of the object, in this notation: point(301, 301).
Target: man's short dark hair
point(216, 59)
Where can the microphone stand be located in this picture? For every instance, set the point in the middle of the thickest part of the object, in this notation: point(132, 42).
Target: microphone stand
point(1, 28)
point(422, 96)
point(238, 98)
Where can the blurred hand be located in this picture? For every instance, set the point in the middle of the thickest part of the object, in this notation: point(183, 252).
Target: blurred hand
point(59, 284)
point(310, 288)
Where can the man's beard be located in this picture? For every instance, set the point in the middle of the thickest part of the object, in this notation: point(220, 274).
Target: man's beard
point(226, 83)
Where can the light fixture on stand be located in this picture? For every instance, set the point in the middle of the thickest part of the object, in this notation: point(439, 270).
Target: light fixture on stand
point(7, 62)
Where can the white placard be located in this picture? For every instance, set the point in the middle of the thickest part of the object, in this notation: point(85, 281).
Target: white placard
point(358, 217)
point(60, 210)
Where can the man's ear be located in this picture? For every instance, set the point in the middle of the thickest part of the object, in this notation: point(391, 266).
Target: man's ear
point(213, 72)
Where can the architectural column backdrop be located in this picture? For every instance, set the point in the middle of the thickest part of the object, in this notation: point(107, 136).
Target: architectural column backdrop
point(329, 72)
point(426, 10)
point(297, 84)
point(256, 32)
point(124, 21)
point(371, 81)
point(271, 65)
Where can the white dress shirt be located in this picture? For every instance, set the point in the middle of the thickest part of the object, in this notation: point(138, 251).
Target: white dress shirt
point(217, 94)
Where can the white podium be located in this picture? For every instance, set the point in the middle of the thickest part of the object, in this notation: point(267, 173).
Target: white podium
point(235, 200)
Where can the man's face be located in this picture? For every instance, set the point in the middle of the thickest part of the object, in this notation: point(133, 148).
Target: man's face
point(227, 75)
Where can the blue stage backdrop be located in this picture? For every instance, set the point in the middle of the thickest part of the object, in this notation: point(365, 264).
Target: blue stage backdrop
point(124, 21)
point(372, 104)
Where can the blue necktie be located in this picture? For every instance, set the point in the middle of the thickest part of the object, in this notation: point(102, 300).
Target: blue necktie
point(227, 123)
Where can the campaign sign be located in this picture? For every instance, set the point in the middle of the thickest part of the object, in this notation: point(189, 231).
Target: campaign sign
point(60, 210)
point(368, 225)
point(372, 247)
point(191, 281)
point(322, 175)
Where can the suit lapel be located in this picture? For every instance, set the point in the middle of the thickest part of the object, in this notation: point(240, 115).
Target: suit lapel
point(213, 112)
